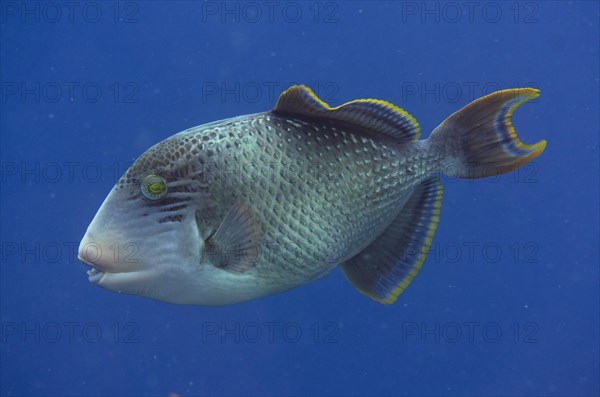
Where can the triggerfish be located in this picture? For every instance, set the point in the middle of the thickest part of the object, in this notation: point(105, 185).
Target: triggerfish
point(254, 205)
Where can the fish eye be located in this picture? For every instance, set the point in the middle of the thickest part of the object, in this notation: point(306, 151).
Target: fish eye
point(153, 187)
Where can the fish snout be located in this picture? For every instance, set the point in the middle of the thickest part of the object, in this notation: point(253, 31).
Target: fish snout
point(103, 253)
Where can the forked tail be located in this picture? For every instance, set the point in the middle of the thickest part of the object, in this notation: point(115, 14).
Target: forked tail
point(480, 141)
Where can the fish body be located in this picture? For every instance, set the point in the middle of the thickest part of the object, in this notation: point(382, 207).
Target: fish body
point(255, 205)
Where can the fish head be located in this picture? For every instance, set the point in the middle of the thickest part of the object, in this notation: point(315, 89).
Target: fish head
point(144, 239)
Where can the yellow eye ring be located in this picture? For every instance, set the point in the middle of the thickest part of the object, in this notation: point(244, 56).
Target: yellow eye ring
point(153, 187)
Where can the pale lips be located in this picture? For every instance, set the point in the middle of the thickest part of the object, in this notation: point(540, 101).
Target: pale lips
point(94, 274)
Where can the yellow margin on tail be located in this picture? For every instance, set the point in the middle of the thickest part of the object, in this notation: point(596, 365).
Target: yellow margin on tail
point(388, 105)
point(391, 298)
point(538, 147)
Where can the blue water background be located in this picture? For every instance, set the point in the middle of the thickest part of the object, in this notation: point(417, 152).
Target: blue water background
point(532, 271)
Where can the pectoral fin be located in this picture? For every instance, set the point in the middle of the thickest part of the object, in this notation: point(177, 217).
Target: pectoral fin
point(234, 246)
point(386, 267)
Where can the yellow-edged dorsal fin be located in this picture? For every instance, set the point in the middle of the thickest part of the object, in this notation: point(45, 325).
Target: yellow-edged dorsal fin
point(370, 115)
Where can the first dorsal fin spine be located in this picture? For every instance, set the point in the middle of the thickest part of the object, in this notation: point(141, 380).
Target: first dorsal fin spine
point(313, 96)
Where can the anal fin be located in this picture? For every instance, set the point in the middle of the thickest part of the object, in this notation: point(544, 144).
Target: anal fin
point(386, 267)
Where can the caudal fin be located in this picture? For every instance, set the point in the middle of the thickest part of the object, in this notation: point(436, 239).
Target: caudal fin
point(480, 141)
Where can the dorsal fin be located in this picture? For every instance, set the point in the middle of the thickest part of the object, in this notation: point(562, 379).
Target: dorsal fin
point(370, 114)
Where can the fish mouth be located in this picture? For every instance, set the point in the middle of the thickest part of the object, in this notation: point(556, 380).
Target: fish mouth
point(95, 274)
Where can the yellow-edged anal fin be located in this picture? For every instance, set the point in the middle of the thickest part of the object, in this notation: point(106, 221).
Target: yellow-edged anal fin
point(370, 115)
point(386, 267)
